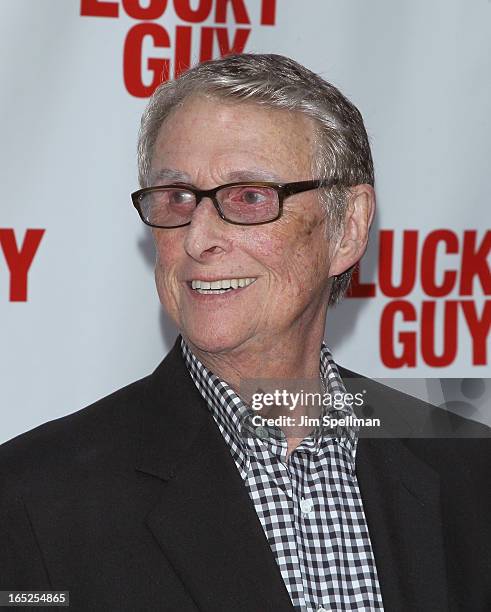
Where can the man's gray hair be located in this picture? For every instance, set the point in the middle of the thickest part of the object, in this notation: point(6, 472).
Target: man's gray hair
point(275, 81)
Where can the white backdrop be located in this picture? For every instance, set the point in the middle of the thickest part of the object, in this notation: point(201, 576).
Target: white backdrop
point(89, 320)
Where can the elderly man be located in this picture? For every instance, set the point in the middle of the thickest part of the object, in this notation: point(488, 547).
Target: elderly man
point(257, 180)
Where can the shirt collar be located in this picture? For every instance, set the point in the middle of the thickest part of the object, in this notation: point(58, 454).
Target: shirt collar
point(230, 412)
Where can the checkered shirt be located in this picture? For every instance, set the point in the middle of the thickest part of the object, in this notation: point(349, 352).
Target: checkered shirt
point(309, 505)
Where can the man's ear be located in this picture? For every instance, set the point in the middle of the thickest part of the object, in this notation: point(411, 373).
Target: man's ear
point(352, 240)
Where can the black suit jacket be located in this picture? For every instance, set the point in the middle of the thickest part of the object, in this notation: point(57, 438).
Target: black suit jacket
point(135, 503)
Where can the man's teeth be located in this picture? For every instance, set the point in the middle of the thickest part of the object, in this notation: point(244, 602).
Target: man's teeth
point(220, 286)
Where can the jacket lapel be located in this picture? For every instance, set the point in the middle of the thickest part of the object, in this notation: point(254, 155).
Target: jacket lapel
point(401, 500)
point(204, 522)
point(402, 506)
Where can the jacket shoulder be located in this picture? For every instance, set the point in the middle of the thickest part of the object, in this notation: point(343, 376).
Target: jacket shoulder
point(458, 449)
point(100, 428)
point(406, 416)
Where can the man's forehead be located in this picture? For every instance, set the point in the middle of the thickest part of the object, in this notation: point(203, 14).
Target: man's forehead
point(247, 142)
point(227, 113)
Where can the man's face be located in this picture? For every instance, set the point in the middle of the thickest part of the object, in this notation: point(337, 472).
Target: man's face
point(208, 143)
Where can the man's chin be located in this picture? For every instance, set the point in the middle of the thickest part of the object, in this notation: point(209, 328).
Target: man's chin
point(212, 341)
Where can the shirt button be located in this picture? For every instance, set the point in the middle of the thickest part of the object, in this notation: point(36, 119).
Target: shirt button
point(262, 433)
point(306, 505)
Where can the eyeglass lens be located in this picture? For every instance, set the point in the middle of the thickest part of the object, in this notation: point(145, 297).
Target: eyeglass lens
point(173, 206)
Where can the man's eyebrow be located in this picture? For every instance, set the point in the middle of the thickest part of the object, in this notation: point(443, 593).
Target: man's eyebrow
point(169, 174)
point(253, 174)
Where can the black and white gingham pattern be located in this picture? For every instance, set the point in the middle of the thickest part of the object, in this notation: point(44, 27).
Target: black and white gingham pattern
point(309, 505)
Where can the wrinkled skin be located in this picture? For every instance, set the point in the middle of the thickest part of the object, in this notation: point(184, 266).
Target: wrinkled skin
point(275, 326)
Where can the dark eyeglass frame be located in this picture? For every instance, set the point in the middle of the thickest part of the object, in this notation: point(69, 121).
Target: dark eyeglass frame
point(284, 190)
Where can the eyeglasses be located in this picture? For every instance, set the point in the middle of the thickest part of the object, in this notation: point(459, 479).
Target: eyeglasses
point(244, 203)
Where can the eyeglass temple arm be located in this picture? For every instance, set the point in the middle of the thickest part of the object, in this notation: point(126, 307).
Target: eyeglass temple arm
point(292, 188)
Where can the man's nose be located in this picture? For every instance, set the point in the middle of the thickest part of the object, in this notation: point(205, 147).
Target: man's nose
point(206, 234)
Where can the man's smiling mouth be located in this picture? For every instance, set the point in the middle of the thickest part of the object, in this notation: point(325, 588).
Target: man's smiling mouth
point(223, 285)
